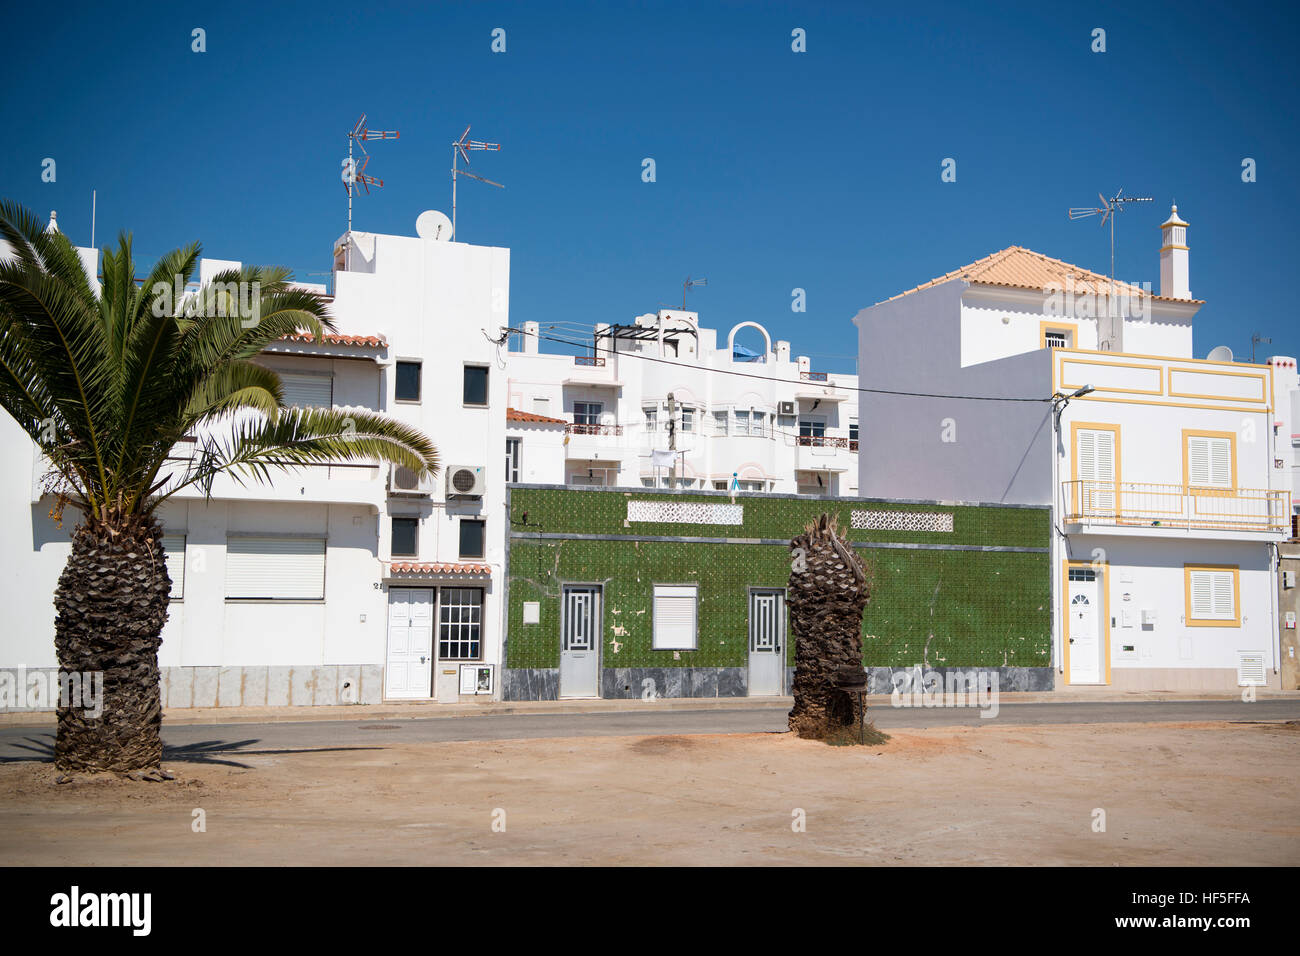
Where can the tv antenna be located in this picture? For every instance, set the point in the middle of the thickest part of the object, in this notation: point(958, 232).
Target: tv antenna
point(354, 175)
point(1108, 210)
point(461, 149)
point(688, 285)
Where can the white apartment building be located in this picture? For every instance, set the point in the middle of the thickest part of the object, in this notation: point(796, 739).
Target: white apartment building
point(662, 402)
point(1286, 431)
point(1166, 500)
point(339, 583)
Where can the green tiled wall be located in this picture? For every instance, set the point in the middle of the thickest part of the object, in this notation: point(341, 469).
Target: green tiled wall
point(942, 608)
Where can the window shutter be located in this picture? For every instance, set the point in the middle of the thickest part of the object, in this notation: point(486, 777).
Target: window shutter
point(1209, 461)
point(1096, 455)
point(307, 391)
point(275, 568)
point(1213, 596)
point(174, 550)
point(1202, 595)
point(674, 616)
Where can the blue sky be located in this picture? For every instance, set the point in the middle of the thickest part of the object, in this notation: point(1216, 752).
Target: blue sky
point(775, 170)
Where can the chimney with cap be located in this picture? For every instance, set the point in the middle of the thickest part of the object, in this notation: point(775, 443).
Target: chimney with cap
point(1173, 258)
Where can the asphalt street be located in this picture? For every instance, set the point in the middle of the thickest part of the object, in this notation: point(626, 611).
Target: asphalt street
point(204, 742)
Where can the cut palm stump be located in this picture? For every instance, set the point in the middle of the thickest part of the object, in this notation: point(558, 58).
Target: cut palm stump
point(828, 591)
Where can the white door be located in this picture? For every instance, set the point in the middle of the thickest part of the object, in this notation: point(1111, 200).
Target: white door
point(766, 643)
point(1084, 623)
point(1095, 463)
point(409, 671)
point(580, 642)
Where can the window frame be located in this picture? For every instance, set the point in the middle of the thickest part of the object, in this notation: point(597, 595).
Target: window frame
point(655, 643)
point(1188, 617)
point(514, 455)
point(1231, 437)
point(392, 536)
point(587, 416)
point(487, 383)
point(1069, 329)
point(419, 381)
point(473, 627)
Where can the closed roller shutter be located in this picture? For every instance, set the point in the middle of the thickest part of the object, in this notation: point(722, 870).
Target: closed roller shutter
point(275, 568)
point(174, 551)
point(674, 616)
point(306, 390)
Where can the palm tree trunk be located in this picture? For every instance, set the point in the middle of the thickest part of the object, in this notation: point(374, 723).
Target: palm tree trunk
point(111, 605)
point(827, 593)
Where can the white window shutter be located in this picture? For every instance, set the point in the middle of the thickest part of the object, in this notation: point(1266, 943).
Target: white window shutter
point(1202, 595)
point(675, 616)
point(307, 391)
point(1209, 461)
point(174, 551)
point(291, 568)
point(1223, 597)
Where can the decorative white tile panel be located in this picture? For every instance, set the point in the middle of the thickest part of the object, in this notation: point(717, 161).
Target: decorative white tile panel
point(902, 520)
point(685, 512)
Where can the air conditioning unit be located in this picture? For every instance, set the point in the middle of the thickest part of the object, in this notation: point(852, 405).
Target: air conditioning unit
point(402, 481)
point(786, 408)
point(465, 481)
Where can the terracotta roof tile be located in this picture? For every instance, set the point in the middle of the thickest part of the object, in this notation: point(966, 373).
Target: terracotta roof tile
point(331, 338)
point(415, 567)
point(515, 415)
point(1020, 268)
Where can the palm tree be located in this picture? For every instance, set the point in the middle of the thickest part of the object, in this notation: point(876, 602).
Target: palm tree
point(108, 383)
point(828, 592)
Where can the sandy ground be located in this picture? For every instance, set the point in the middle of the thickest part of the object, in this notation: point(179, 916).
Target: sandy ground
point(1200, 794)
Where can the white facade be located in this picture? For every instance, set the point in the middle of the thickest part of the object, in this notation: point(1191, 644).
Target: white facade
point(340, 583)
point(766, 421)
point(1286, 427)
point(1166, 502)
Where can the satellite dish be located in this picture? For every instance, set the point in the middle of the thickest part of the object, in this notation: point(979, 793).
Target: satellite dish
point(433, 225)
point(1220, 353)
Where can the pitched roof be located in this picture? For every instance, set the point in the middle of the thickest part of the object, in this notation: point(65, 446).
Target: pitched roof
point(515, 415)
point(1019, 268)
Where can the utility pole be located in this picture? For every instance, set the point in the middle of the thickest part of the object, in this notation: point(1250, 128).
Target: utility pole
point(672, 440)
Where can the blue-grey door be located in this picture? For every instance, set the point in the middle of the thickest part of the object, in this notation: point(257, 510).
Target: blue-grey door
point(766, 643)
point(580, 637)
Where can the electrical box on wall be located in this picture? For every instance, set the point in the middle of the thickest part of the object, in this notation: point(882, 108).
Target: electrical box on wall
point(1288, 579)
point(1148, 616)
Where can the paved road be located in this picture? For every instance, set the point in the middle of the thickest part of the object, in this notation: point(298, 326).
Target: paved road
point(209, 741)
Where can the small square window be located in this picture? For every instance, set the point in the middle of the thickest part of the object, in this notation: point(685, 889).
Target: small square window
point(408, 382)
point(471, 538)
point(476, 385)
point(406, 537)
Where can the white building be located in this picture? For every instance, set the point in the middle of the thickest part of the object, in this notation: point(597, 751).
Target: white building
point(661, 403)
point(339, 583)
point(1286, 430)
point(1166, 501)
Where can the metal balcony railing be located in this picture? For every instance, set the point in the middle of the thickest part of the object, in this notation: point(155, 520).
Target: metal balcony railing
point(577, 428)
point(813, 376)
point(1142, 504)
point(595, 361)
point(826, 441)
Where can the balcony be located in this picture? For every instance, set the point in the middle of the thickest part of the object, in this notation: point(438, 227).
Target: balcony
point(1176, 509)
point(577, 428)
point(827, 441)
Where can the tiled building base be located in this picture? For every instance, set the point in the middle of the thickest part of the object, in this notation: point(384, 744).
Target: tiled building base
point(292, 686)
point(623, 683)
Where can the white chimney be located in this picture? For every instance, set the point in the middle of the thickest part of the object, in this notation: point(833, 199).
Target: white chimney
point(1173, 258)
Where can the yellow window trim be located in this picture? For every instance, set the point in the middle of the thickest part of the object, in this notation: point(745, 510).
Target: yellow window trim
point(1187, 595)
point(1069, 328)
point(1065, 608)
point(1232, 454)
